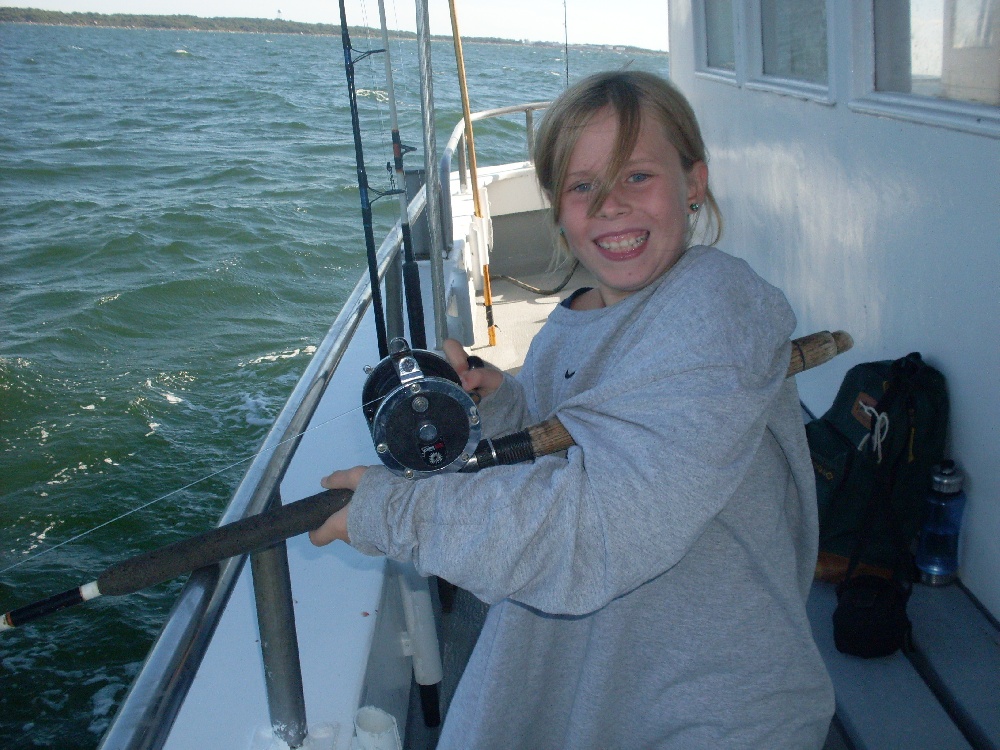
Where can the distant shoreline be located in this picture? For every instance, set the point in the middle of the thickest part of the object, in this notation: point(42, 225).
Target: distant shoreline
point(250, 26)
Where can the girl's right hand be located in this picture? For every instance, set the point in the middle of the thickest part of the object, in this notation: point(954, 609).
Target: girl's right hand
point(479, 381)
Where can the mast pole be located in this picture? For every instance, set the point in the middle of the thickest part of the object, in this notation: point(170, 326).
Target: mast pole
point(411, 273)
point(471, 146)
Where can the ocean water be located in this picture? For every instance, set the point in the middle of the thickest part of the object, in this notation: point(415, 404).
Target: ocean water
point(179, 226)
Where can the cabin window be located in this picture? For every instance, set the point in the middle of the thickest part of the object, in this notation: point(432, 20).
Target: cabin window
point(935, 62)
point(793, 39)
point(767, 45)
point(720, 50)
point(945, 49)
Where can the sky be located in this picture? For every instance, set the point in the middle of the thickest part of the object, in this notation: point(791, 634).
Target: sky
point(640, 23)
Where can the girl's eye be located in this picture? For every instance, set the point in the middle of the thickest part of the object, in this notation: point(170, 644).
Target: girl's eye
point(581, 187)
point(638, 177)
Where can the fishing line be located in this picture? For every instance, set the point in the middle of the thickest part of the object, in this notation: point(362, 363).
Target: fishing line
point(373, 81)
point(205, 478)
point(399, 53)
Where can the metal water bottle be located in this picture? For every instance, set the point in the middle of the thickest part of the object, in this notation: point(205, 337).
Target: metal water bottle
point(937, 549)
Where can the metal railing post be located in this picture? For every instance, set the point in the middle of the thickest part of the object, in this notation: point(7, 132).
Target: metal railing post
point(529, 125)
point(279, 643)
point(463, 177)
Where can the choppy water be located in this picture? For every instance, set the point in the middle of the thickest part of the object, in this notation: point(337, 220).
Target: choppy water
point(179, 225)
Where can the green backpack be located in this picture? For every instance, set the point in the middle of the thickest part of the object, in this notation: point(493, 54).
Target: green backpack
point(872, 453)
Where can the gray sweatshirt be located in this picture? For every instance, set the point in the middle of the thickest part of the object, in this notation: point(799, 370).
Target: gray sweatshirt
point(648, 589)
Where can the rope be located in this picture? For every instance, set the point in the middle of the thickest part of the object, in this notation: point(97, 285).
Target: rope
point(536, 290)
point(879, 431)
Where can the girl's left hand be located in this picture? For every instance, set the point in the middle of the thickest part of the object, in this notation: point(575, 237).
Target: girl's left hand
point(335, 527)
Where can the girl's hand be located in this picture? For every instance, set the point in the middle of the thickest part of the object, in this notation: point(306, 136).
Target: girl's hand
point(479, 381)
point(335, 527)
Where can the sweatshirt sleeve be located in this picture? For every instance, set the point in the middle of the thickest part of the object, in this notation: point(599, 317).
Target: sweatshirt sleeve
point(662, 443)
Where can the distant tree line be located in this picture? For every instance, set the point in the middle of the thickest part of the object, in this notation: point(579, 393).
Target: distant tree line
point(245, 25)
point(192, 23)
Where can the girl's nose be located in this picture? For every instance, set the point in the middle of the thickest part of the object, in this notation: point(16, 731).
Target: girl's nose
point(613, 205)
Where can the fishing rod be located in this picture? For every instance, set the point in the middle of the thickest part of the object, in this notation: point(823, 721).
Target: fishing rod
point(470, 145)
point(363, 187)
point(411, 274)
point(412, 391)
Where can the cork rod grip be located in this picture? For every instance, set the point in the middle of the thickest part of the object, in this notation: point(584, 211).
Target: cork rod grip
point(817, 348)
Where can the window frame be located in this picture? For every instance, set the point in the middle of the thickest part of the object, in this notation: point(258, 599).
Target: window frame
point(737, 76)
point(850, 77)
point(748, 50)
point(982, 119)
point(760, 81)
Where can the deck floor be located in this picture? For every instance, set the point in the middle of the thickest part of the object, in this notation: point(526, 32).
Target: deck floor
point(519, 314)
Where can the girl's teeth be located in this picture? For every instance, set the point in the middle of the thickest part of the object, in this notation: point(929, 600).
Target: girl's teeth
point(623, 244)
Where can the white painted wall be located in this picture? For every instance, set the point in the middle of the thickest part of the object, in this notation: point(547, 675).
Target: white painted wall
point(886, 228)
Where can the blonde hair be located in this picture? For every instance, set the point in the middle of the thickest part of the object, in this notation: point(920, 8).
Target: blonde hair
point(631, 93)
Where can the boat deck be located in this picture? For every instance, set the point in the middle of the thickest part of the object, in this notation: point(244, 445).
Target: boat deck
point(519, 314)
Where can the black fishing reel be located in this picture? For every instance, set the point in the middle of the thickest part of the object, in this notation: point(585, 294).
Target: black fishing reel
point(421, 420)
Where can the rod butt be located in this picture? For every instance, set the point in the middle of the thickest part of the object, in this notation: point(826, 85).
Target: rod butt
point(22, 615)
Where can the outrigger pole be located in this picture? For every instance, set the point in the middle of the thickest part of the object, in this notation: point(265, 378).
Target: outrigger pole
point(491, 328)
point(282, 522)
point(366, 203)
point(411, 273)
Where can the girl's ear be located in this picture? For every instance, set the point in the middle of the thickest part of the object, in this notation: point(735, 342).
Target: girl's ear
point(697, 179)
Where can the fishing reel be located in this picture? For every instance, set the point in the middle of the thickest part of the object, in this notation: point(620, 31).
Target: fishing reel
point(421, 421)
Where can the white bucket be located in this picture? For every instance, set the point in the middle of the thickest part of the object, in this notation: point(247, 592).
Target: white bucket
point(376, 730)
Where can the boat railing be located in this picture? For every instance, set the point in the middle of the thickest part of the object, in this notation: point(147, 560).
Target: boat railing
point(144, 719)
point(156, 696)
point(456, 146)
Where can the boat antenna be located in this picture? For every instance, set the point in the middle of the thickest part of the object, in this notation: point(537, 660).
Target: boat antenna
point(363, 188)
point(411, 273)
point(566, 42)
point(471, 146)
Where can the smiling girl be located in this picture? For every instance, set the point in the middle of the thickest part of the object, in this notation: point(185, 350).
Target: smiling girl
point(648, 589)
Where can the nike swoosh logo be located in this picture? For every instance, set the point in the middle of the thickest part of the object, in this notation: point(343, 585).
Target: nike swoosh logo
point(569, 374)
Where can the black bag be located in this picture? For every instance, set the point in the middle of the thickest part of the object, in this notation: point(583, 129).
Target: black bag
point(870, 619)
point(872, 453)
point(851, 444)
